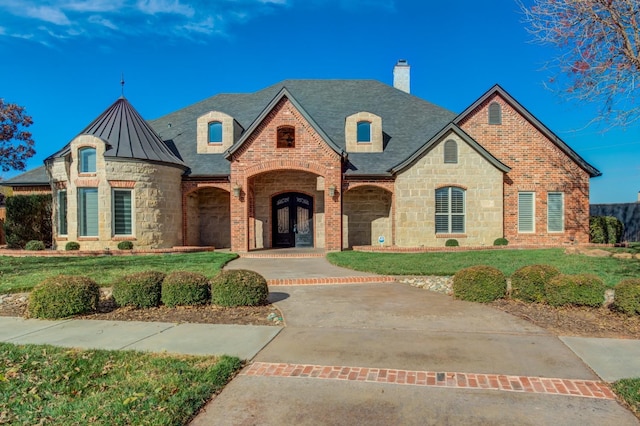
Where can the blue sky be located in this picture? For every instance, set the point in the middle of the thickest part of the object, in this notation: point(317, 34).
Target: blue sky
point(62, 60)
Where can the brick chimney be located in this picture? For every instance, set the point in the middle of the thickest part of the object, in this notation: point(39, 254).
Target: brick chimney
point(402, 76)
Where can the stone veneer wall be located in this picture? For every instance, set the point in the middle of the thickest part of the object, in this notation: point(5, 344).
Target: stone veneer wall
point(415, 197)
point(366, 216)
point(214, 220)
point(537, 165)
point(156, 209)
point(270, 184)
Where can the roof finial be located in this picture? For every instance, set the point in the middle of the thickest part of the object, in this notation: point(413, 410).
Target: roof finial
point(122, 84)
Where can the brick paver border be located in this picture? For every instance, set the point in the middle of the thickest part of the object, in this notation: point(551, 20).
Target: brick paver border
point(498, 382)
point(333, 280)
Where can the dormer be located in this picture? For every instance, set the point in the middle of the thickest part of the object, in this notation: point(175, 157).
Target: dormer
point(216, 132)
point(363, 132)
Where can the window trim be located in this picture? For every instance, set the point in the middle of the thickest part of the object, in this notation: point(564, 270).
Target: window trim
point(82, 216)
point(83, 164)
point(495, 113)
point(562, 209)
point(63, 225)
point(449, 214)
point(360, 125)
point(114, 212)
point(532, 213)
point(450, 152)
point(217, 124)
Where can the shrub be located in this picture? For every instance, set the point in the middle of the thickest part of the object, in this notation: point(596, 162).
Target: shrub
point(451, 243)
point(605, 229)
point(125, 245)
point(479, 284)
point(140, 289)
point(500, 242)
point(34, 245)
point(577, 290)
point(63, 296)
point(185, 288)
point(72, 245)
point(239, 288)
point(627, 296)
point(28, 218)
point(527, 283)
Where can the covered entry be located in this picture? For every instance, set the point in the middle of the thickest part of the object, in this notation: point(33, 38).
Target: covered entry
point(292, 220)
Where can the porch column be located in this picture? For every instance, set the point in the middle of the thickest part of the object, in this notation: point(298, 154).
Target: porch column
point(333, 210)
point(239, 214)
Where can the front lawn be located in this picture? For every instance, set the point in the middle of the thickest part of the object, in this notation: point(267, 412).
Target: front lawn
point(611, 270)
point(23, 273)
point(629, 391)
point(49, 385)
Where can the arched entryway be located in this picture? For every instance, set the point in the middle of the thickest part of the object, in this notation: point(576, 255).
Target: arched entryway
point(292, 223)
point(208, 220)
point(367, 216)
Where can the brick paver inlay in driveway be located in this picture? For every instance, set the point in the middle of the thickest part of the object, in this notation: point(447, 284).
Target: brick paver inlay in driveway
point(499, 382)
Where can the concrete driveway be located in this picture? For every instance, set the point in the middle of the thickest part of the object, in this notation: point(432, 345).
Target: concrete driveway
point(394, 354)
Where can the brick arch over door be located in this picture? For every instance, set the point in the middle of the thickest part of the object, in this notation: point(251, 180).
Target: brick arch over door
point(367, 214)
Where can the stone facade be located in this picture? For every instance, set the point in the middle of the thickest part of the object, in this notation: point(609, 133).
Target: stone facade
point(351, 133)
point(208, 220)
point(367, 215)
point(415, 197)
point(156, 216)
point(537, 165)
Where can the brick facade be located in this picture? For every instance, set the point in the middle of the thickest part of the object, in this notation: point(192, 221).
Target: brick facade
point(537, 165)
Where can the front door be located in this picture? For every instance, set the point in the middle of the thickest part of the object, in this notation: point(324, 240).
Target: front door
point(292, 220)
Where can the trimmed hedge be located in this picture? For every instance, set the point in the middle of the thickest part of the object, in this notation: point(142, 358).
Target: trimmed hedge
point(125, 245)
point(479, 284)
point(451, 243)
point(72, 245)
point(239, 287)
point(34, 245)
point(63, 296)
point(627, 296)
point(181, 288)
point(141, 289)
point(528, 282)
point(501, 242)
point(605, 229)
point(577, 290)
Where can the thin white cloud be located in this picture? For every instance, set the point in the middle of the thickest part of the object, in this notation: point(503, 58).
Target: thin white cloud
point(153, 7)
point(93, 6)
point(48, 14)
point(96, 19)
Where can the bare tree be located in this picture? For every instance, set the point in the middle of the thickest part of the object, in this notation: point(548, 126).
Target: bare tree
point(16, 144)
point(598, 59)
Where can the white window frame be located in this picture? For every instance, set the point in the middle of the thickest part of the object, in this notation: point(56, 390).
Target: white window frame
point(532, 194)
point(131, 212)
point(449, 214)
point(550, 213)
point(82, 225)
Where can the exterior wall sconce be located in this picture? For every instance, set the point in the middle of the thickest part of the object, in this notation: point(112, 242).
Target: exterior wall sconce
point(332, 190)
point(236, 190)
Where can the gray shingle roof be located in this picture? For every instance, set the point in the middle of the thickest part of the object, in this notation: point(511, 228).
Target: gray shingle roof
point(33, 177)
point(127, 135)
point(407, 121)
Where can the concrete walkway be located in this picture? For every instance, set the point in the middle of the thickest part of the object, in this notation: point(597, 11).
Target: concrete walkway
point(395, 354)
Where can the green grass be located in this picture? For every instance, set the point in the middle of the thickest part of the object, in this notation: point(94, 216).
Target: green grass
point(508, 261)
point(59, 386)
point(23, 273)
point(629, 390)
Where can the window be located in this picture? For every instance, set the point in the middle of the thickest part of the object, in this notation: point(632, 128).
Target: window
point(526, 211)
point(450, 211)
point(555, 212)
point(62, 212)
point(450, 151)
point(495, 113)
point(286, 137)
point(87, 160)
point(364, 131)
point(215, 132)
point(88, 212)
point(122, 223)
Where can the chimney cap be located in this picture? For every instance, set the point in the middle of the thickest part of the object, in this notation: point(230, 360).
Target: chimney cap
point(402, 62)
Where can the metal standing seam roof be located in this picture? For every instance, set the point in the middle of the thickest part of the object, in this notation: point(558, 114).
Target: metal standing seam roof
point(127, 135)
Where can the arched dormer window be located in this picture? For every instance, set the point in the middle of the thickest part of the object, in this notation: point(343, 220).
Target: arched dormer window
point(215, 132)
point(87, 160)
point(495, 113)
point(451, 151)
point(364, 132)
point(286, 137)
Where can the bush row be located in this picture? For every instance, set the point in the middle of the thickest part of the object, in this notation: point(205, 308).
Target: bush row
point(63, 295)
point(544, 284)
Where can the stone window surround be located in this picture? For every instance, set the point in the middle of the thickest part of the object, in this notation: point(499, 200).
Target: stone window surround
point(202, 133)
point(351, 133)
point(78, 150)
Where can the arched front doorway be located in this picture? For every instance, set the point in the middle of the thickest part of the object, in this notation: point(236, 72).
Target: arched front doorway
point(292, 220)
